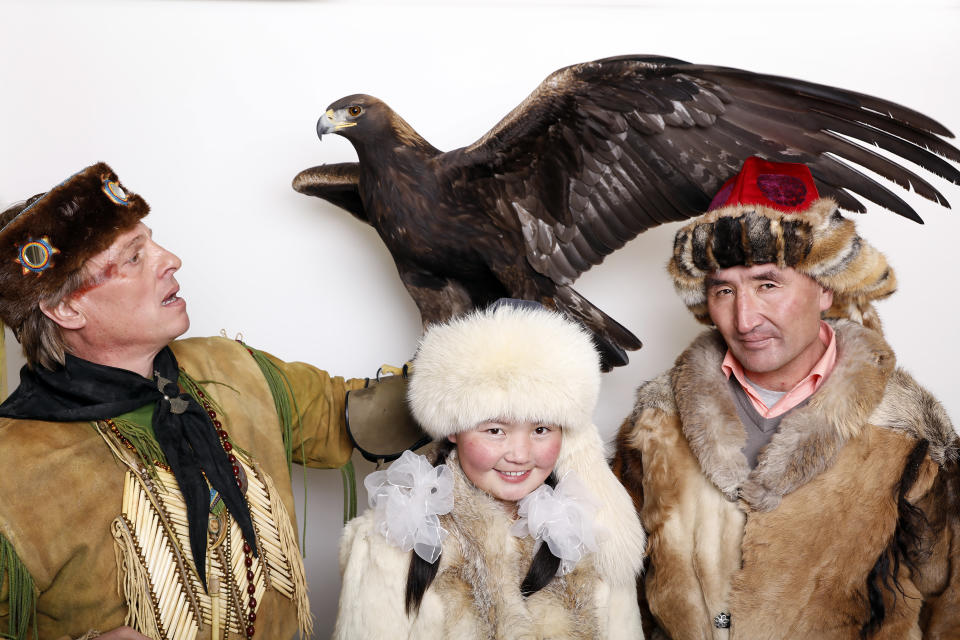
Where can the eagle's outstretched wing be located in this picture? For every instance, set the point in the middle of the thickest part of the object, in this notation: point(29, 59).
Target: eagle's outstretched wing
point(336, 183)
point(603, 150)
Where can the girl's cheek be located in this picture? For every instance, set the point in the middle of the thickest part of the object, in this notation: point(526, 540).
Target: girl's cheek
point(551, 449)
point(478, 454)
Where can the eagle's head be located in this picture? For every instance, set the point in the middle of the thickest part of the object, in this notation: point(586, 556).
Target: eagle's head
point(363, 119)
point(348, 114)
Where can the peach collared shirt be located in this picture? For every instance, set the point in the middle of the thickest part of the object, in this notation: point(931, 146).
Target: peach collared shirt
point(801, 391)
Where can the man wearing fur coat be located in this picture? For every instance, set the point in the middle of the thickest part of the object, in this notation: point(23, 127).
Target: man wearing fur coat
point(794, 483)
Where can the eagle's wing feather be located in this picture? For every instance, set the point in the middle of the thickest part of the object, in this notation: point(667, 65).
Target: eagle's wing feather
point(604, 150)
point(336, 183)
point(813, 132)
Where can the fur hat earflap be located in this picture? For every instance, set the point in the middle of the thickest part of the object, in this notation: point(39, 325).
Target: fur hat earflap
point(529, 364)
point(48, 240)
point(780, 219)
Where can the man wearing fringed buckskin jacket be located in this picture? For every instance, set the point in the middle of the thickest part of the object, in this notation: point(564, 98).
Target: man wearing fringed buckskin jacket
point(794, 483)
point(144, 482)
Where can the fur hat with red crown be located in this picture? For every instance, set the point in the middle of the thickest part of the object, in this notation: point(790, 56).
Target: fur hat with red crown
point(771, 213)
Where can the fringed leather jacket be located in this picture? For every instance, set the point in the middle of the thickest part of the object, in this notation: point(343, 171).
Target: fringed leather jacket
point(94, 533)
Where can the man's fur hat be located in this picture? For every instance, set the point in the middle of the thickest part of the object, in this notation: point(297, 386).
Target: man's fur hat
point(771, 212)
point(531, 364)
point(49, 240)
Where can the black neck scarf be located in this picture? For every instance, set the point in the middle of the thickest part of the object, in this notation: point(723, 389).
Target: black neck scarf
point(85, 391)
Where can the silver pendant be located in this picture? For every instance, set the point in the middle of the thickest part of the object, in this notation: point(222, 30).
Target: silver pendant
point(722, 620)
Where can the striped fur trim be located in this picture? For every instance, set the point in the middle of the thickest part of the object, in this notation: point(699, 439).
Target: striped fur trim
point(818, 242)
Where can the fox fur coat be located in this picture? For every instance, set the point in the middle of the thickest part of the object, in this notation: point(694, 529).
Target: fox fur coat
point(476, 594)
point(847, 527)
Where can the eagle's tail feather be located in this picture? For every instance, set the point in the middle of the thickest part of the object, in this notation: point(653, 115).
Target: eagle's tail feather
point(611, 338)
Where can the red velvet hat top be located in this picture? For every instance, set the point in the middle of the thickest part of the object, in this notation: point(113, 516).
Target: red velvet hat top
point(785, 186)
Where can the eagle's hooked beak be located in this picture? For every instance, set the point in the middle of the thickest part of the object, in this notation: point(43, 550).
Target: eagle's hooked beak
point(325, 124)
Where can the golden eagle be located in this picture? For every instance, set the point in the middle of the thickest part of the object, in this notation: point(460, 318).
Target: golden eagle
point(598, 153)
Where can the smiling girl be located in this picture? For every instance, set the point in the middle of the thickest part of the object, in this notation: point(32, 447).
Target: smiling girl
point(512, 525)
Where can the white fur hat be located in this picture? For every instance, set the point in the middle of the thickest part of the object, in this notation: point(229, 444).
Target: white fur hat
point(509, 362)
point(529, 364)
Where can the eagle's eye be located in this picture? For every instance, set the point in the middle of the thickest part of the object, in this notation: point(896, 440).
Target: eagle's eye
point(354, 110)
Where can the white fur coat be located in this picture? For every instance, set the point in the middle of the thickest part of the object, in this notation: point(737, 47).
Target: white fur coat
point(476, 593)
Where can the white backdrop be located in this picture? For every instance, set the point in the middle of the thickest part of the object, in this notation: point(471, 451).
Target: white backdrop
point(208, 110)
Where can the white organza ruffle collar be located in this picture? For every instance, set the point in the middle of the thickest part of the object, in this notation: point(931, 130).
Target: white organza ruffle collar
point(407, 499)
point(563, 517)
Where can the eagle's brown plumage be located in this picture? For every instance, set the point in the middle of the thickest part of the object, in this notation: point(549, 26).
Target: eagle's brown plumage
point(598, 153)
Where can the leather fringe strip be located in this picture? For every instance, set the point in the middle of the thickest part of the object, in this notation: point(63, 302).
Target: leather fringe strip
point(21, 593)
point(290, 549)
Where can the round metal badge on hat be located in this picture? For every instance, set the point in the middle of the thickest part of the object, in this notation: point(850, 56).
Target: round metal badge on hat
point(115, 192)
point(35, 255)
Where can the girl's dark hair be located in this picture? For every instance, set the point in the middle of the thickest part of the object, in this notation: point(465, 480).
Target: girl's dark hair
point(544, 565)
point(422, 573)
